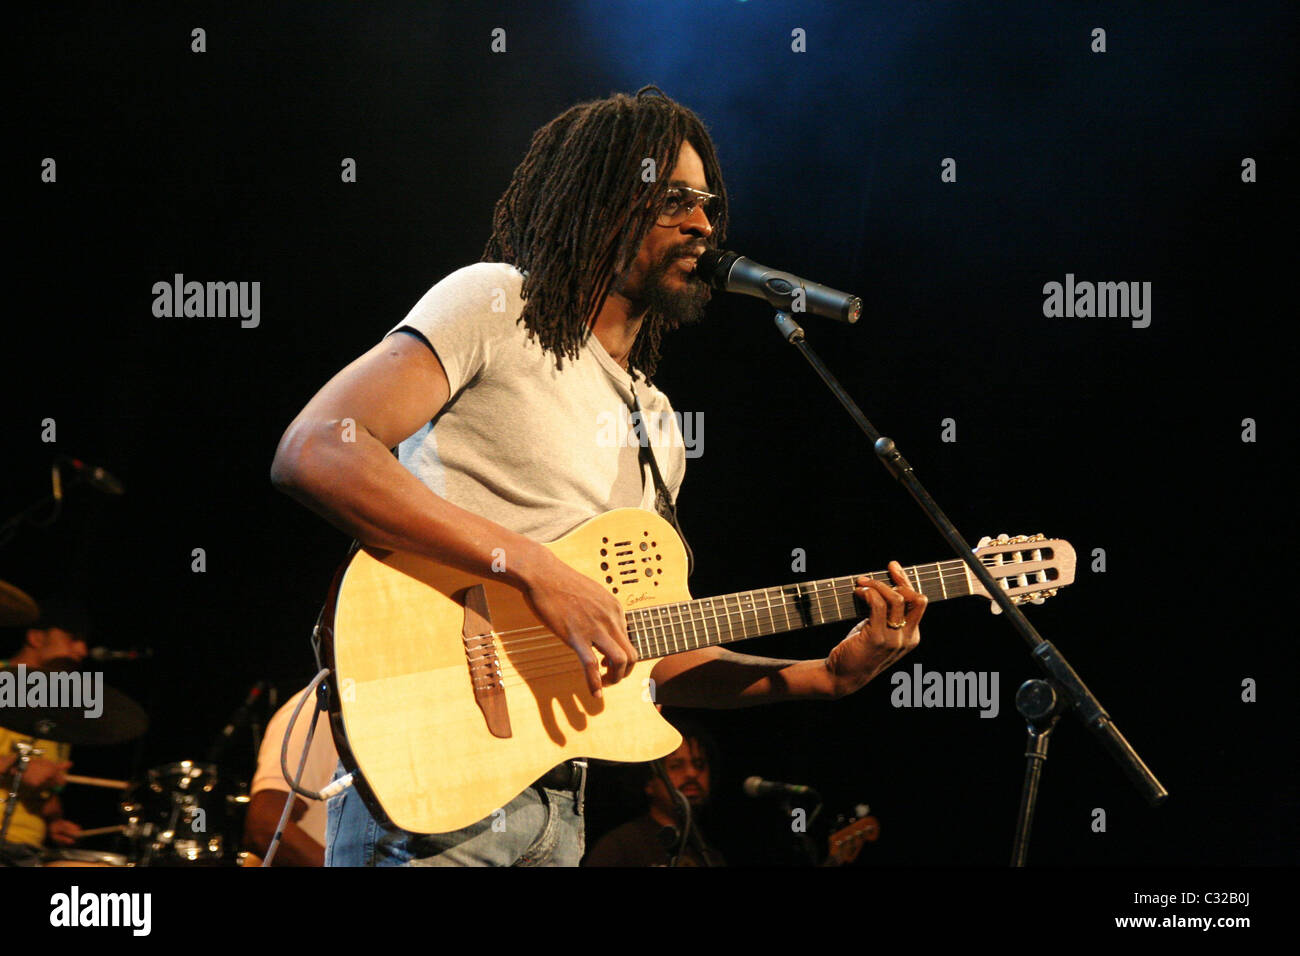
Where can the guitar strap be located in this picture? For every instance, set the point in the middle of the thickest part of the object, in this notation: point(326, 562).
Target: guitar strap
point(663, 498)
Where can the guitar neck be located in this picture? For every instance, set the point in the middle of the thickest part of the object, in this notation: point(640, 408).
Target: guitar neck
point(686, 626)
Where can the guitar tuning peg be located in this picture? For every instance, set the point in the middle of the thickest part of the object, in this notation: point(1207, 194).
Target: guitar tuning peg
point(994, 608)
point(983, 541)
point(1004, 537)
point(1038, 598)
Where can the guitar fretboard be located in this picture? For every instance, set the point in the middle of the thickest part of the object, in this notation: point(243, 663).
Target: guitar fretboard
point(686, 626)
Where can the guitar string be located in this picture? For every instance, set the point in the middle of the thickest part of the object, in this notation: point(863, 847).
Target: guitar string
point(687, 610)
point(526, 661)
point(835, 589)
point(672, 636)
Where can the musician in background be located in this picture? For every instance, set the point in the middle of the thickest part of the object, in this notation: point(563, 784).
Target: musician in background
point(649, 840)
point(58, 638)
point(493, 390)
point(303, 841)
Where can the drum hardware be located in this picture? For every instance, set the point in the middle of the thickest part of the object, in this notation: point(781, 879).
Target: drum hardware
point(181, 814)
point(62, 856)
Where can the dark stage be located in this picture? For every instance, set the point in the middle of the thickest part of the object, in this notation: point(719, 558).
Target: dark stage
point(944, 161)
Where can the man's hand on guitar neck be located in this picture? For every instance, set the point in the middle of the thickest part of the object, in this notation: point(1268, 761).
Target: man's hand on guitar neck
point(873, 645)
point(717, 677)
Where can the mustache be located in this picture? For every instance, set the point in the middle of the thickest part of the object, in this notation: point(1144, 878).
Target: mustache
point(684, 252)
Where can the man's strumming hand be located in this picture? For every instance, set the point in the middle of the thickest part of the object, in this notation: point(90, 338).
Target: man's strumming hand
point(582, 614)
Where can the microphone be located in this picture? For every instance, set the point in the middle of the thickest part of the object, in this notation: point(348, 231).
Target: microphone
point(237, 719)
point(732, 272)
point(108, 654)
point(94, 476)
point(758, 787)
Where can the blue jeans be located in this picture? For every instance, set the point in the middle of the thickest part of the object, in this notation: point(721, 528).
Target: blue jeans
point(540, 827)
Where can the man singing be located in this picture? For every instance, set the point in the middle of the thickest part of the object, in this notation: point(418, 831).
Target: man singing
point(491, 389)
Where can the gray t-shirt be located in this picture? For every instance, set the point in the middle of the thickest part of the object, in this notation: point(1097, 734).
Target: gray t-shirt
point(535, 450)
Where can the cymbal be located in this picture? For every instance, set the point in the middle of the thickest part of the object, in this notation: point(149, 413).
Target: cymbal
point(117, 717)
point(17, 609)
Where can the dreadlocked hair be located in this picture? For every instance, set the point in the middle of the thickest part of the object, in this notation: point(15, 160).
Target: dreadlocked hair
point(579, 206)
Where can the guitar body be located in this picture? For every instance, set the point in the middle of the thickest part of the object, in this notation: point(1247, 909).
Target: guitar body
point(404, 710)
point(450, 698)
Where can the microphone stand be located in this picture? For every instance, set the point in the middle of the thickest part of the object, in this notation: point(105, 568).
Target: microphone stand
point(1074, 694)
point(684, 808)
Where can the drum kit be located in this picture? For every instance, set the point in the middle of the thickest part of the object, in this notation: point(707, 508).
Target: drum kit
point(184, 813)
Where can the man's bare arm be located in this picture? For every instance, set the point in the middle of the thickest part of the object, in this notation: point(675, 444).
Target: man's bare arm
point(716, 677)
point(297, 846)
point(335, 459)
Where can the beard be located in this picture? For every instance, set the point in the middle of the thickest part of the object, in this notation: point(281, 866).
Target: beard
point(664, 306)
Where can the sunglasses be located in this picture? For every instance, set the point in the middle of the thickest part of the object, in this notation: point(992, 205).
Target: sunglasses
point(681, 201)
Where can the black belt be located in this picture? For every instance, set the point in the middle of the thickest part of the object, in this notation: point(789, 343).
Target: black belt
point(565, 776)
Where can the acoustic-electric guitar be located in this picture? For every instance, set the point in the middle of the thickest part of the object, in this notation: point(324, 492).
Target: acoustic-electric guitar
point(448, 697)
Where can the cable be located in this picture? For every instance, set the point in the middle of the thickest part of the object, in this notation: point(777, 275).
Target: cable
point(295, 787)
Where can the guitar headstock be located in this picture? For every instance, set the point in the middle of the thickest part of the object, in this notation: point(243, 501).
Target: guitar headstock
point(845, 844)
point(1028, 567)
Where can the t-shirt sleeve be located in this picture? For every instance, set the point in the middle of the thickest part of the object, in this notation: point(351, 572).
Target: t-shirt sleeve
point(461, 316)
point(268, 775)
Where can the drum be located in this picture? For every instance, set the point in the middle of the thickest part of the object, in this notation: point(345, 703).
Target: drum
point(60, 856)
point(182, 815)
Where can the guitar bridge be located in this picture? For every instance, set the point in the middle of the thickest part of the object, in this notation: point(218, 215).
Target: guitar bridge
point(484, 665)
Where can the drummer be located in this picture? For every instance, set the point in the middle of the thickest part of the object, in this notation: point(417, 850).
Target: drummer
point(58, 636)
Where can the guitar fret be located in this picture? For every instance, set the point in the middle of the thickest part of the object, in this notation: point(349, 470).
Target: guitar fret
point(689, 625)
point(682, 626)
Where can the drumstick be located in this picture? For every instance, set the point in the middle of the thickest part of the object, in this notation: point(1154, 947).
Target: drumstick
point(97, 782)
point(100, 830)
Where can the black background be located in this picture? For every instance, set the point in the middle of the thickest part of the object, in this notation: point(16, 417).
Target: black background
point(1122, 166)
